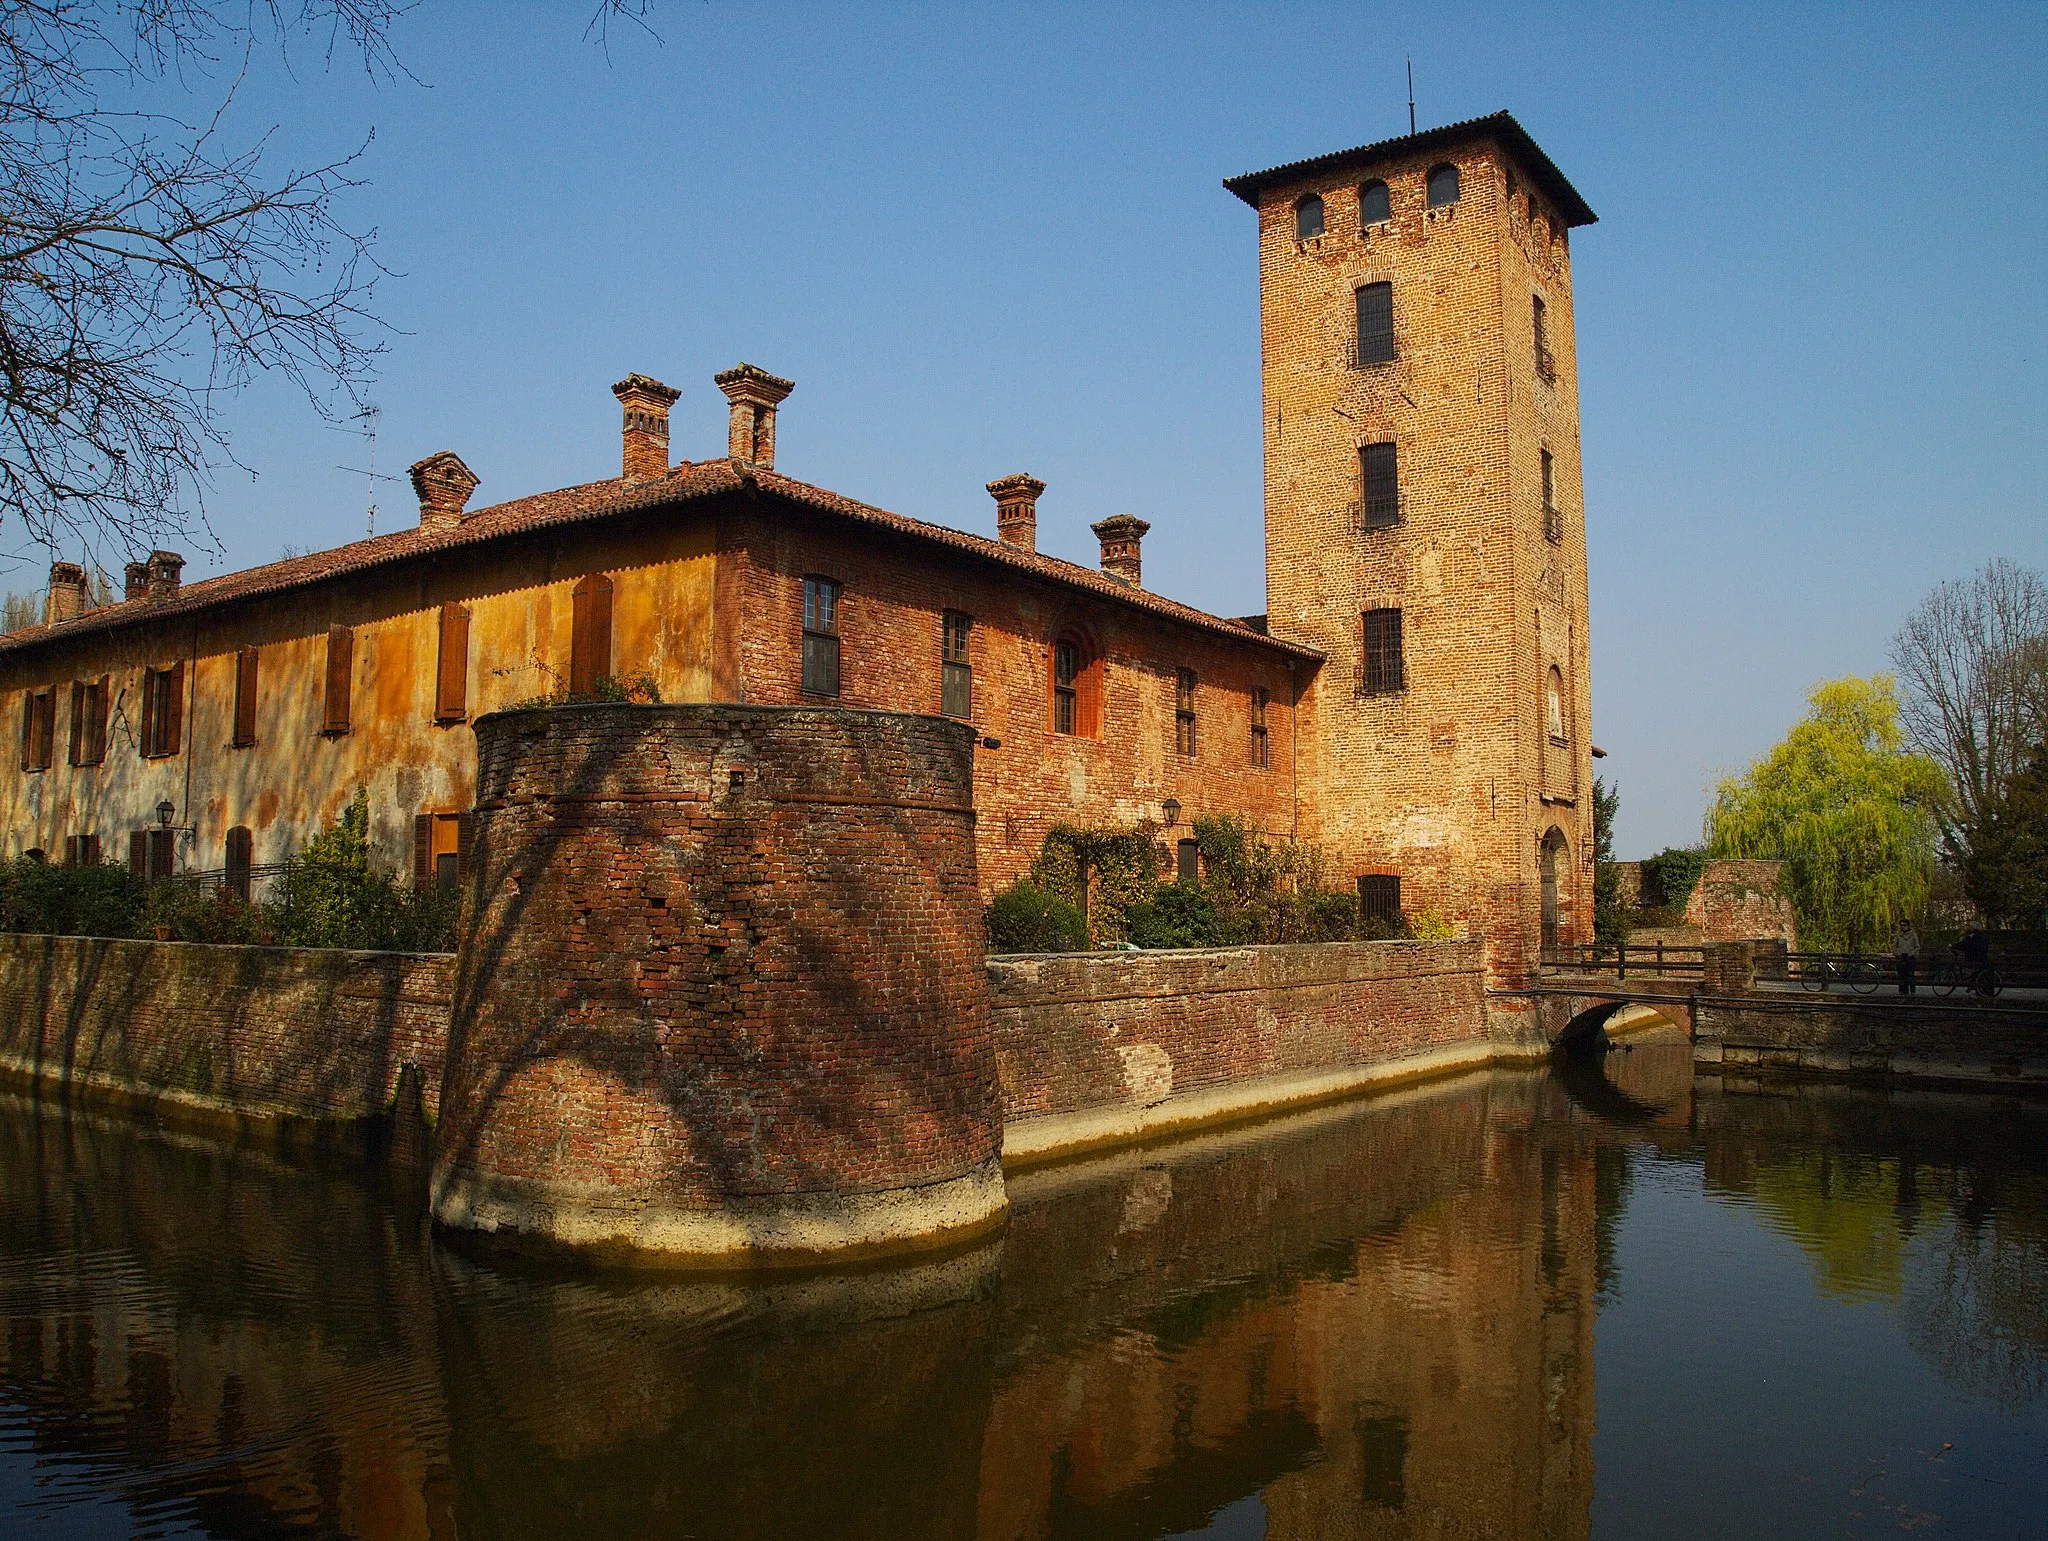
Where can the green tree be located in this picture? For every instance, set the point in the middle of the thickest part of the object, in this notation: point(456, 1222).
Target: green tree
point(1847, 807)
point(1610, 915)
point(2005, 870)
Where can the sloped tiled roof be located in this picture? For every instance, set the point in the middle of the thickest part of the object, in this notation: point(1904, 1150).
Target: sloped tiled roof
point(599, 500)
point(1501, 125)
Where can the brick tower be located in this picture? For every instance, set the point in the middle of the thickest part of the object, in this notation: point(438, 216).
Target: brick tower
point(1424, 523)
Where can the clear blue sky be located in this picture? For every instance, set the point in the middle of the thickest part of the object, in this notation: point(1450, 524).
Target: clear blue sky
point(1813, 336)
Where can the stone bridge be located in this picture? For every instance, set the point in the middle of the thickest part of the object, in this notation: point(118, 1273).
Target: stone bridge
point(1743, 1014)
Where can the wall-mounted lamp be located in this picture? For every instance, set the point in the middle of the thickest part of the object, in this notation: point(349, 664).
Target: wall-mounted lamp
point(165, 812)
point(1171, 808)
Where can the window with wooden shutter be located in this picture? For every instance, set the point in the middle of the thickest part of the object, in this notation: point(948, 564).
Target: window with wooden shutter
point(245, 697)
point(451, 679)
point(146, 744)
point(39, 729)
point(422, 848)
point(341, 650)
point(440, 849)
point(75, 751)
point(590, 634)
point(163, 711)
point(138, 852)
point(241, 853)
point(97, 720)
point(1184, 712)
point(1376, 323)
point(163, 853)
point(88, 721)
point(1262, 755)
point(81, 850)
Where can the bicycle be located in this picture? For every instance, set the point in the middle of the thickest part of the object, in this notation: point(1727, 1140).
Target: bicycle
point(1856, 971)
point(1980, 979)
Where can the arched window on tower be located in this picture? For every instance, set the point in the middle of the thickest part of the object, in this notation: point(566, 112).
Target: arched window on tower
point(1308, 217)
point(1372, 204)
point(1443, 185)
point(1553, 705)
point(1076, 687)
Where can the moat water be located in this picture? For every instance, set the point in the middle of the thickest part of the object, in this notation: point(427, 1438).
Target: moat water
point(1613, 1301)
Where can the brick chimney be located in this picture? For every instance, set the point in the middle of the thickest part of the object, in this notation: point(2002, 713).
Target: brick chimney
point(162, 573)
point(1017, 509)
point(646, 403)
point(67, 595)
point(443, 484)
point(1120, 534)
point(135, 580)
point(754, 394)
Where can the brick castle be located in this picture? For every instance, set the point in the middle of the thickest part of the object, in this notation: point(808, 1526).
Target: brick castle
point(1414, 699)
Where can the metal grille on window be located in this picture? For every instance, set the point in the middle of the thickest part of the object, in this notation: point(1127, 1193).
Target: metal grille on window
point(1553, 521)
point(956, 674)
point(1382, 661)
point(821, 637)
point(1184, 712)
point(1261, 749)
point(1376, 323)
point(1066, 674)
point(1379, 897)
point(1379, 468)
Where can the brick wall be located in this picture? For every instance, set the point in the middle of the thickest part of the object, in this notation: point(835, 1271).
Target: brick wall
point(714, 957)
point(891, 604)
point(1733, 901)
point(277, 1033)
point(1092, 1030)
point(1454, 780)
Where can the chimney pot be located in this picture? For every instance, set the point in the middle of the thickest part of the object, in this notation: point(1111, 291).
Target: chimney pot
point(135, 580)
point(1120, 535)
point(754, 394)
point(67, 595)
point(1017, 509)
point(162, 574)
point(645, 443)
point(443, 484)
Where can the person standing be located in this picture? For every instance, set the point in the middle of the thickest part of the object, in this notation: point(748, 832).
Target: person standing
point(1906, 956)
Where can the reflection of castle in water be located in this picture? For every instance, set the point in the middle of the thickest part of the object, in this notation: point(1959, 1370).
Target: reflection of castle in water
point(1375, 1321)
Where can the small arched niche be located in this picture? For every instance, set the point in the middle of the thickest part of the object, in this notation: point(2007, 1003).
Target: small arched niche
point(1443, 185)
point(1373, 205)
point(1308, 217)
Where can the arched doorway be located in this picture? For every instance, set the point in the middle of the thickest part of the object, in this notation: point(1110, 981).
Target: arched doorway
point(1554, 858)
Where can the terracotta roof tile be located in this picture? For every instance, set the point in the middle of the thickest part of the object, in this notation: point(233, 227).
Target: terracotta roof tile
point(597, 500)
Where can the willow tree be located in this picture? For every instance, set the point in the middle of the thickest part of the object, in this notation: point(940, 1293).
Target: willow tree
point(1849, 808)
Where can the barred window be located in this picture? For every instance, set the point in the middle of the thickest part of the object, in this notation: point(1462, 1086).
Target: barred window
point(1443, 185)
point(1372, 204)
point(1066, 694)
point(1308, 218)
point(1379, 897)
point(1382, 670)
point(1262, 756)
point(1376, 323)
point(1184, 712)
point(821, 637)
point(1380, 474)
point(956, 673)
point(1553, 521)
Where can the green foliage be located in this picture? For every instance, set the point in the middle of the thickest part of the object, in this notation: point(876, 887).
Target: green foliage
point(1427, 925)
point(1177, 915)
point(606, 689)
point(2005, 869)
point(334, 898)
point(1670, 877)
point(1611, 918)
point(1103, 873)
point(1027, 918)
point(104, 900)
point(1847, 807)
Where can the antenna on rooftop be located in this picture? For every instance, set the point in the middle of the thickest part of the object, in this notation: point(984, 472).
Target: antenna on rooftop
point(1411, 96)
point(368, 417)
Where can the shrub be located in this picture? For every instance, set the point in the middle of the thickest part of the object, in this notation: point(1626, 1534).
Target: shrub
point(1669, 878)
point(1027, 918)
point(1102, 873)
point(1428, 925)
point(1177, 915)
point(100, 900)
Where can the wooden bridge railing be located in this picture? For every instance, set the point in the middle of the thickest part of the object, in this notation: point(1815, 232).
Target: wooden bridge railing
point(1662, 960)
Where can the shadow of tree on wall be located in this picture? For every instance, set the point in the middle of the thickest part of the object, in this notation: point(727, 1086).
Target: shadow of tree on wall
point(737, 955)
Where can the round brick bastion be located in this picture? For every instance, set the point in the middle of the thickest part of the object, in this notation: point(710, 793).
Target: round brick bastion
point(720, 998)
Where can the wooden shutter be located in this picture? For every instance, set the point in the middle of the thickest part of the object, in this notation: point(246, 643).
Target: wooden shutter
point(89, 850)
point(102, 694)
point(590, 633)
point(79, 693)
point(171, 715)
point(341, 646)
point(245, 696)
point(163, 852)
point(451, 683)
point(465, 840)
point(138, 852)
point(28, 729)
point(422, 849)
point(148, 713)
